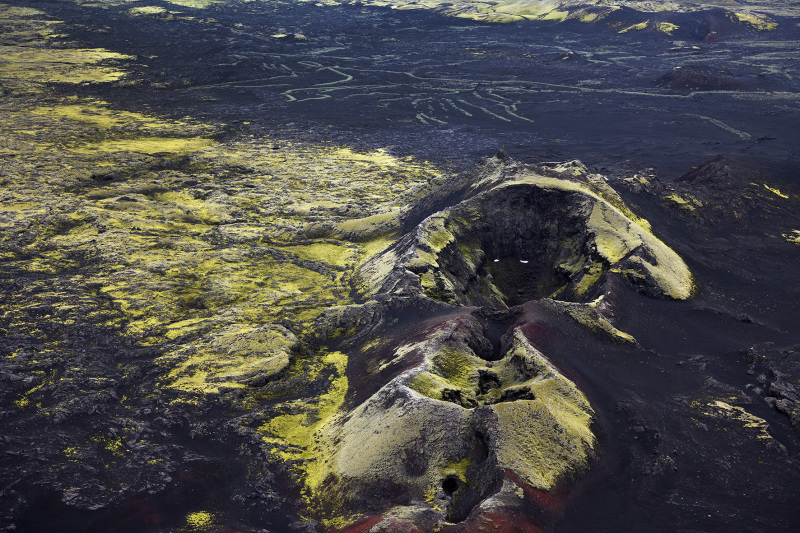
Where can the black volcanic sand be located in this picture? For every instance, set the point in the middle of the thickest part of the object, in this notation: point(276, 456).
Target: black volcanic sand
point(664, 465)
point(452, 91)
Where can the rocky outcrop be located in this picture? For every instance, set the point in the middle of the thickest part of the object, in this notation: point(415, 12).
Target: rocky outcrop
point(733, 188)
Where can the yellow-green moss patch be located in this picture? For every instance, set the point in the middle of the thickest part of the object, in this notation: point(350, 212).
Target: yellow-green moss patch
point(756, 426)
point(666, 27)
point(638, 27)
point(793, 237)
point(296, 436)
point(686, 202)
point(50, 65)
point(776, 192)
point(147, 10)
point(195, 4)
point(755, 20)
point(199, 520)
point(149, 145)
point(231, 357)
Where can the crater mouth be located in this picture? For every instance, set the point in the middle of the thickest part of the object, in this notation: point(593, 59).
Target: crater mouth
point(523, 243)
point(526, 233)
point(456, 373)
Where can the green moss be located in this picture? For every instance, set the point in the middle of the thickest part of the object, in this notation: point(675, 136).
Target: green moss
point(638, 27)
point(429, 385)
point(615, 237)
point(666, 27)
point(199, 520)
point(12, 12)
point(544, 440)
point(148, 145)
point(437, 236)
point(428, 281)
point(776, 192)
point(195, 4)
point(459, 468)
point(456, 367)
point(71, 451)
point(370, 227)
point(111, 445)
point(589, 279)
point(755, 426)
point(22, 402)
point(298, 437)
point(793, 237)
point(689, 204)
point(339, 254)
point(755, 20)
point(147, 10)
point(231, 357)
point(587, 16)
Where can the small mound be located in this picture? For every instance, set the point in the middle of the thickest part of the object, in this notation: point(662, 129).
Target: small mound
point(701, 78)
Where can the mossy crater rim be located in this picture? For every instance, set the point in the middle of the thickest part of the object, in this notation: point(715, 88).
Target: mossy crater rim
point(525, 233)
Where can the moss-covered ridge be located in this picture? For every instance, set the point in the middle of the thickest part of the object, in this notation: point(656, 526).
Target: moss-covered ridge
point(460, 426)
point(757, 14)
point(523, 233)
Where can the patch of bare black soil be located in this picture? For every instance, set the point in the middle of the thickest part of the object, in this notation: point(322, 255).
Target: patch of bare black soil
point(700, 428)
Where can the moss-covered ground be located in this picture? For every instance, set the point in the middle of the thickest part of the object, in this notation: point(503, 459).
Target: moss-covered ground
point(161, 270)
point(217, 254)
